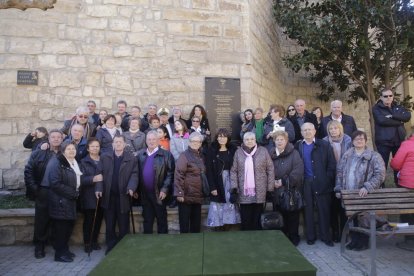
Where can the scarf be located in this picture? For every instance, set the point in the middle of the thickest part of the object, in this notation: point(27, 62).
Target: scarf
point(249, 182)
point(133, 131)
point(112, 131)
point(259, 130)
point(336, 146)
point(75, 167)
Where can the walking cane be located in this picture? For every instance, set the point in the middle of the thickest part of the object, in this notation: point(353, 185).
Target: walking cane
point(132, 215)
point(93, 228)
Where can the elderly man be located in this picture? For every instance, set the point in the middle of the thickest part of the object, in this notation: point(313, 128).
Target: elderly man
point(302, 116)
point(120, 181)
point(347, 121)
point(81, 118)
point(93, 116)
point(163, 115)
point(37, 190)
point(319, 179)
point(389, 118)
point(156, 173)
point(152, 112)
point(76, 136)
point(135, 113)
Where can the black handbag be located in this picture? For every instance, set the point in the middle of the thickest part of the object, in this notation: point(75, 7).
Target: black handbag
point(290, 199)
point(271, 220)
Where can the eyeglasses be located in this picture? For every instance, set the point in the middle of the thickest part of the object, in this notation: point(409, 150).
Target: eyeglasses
point(387, 96)
point(196, 121)
point(83, 116)
point(195, 141)
point(291, 110)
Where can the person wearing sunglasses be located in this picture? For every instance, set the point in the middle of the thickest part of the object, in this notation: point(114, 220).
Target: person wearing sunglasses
point(81, 118)
point(389, 119)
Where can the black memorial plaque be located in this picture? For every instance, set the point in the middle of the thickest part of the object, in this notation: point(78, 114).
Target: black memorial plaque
point(223, 104)
point(27, 77)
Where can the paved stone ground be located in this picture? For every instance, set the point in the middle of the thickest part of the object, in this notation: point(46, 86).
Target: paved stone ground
point(19, 260)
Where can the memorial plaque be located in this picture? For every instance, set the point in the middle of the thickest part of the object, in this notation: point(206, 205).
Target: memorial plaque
point(27, 77)
point(223, 104)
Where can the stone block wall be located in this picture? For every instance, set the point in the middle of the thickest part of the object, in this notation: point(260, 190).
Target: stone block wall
point(141, 51)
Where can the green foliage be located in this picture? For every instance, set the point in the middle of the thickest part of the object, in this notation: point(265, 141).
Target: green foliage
point(348, 45)
point(15, 202)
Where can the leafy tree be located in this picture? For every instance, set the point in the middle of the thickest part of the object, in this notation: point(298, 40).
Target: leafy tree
point(353, 46)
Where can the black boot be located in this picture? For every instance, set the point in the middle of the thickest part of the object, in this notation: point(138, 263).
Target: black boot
point(173, 203)
point(40, 251)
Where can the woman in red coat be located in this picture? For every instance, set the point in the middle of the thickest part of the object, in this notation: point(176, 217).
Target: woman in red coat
point(403, 162)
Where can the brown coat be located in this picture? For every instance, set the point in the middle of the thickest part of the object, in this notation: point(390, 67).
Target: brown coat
point(264, 175)
point(187, 177)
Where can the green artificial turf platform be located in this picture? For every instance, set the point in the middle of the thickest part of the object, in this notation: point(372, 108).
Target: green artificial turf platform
point(209, 253)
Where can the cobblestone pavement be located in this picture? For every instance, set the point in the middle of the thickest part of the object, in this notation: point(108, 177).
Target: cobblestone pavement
point(19, 260)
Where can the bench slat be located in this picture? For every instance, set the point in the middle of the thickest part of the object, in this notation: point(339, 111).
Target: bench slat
point(379, 195)
point(366, 201)
point(383, 206)
point(387, 190)
point(383, 212)
point(400, 231)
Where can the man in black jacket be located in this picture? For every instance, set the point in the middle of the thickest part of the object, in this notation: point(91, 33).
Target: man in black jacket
point(319, 177)
point(36, 190)
point(120, 181)
point(347, 121)
point(389, 118)
point(302, 116)
point(156, 171)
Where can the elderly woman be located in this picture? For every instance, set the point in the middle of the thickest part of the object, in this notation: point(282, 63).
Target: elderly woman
point(134, 138)
point(288, 167)
point(359, 169)
point(106, 134)
point(340, 143)
point(219, 161)
point(188, 185)
point(91, 168)
point(277, 122)
point(64, 175)
point(252, 175)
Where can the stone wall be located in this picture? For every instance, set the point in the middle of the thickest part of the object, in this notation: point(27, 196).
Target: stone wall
point(141, 51)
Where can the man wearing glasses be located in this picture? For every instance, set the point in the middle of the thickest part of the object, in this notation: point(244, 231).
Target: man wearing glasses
point(389, 118)
point(81, 118)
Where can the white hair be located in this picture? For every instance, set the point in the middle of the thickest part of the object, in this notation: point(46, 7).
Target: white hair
point(249, 134)
point(82, 110)
point(336, 101)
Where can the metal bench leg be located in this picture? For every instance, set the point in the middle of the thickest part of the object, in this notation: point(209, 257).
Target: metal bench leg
point(345, 233)
point(373, 241)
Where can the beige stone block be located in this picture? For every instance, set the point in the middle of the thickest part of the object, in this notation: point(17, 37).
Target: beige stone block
point(7, 235)
point(173, 85)
point(59, 47)
point(93, 79)
point(177, 98)
point(93, 23)
point(106, 102)
point(23, 110)
point(149, 52)
point(5, 127)
point(193, 57)
point(87, 91)
point(227, 57)
point(77, 61)
point(5, 160)
point(24, 234)
point(141, 39)
point(194, 83)
point(21, 95)
point(75, 92)
point(164, 3)
point(115, 37)
point(73, 102)
point(119, 25)
point(223, 44)
point(123, 51)
point(125, 11)
point(229, 5)
point(45, 114)
point(118, 81)
point(13, 62)
point(121, 63)
point(13, 178)
point(68, 6)
point(48, 61)
point(27, 46)
point(208, 30)
point(180, 28)
point(241, 45)
point(138, 27)
point(65, 79)
point(116, 2)
point(231, 70)
point(204, 4)
point(101, 10)
point(137, 2)
point(193, 44)
point(19, 158)
point(210, 69)
point(195, 15)
point(233, 31)
point(6, 95)
point(77, 33)
point(8, 78)
point(2, 44)
point(99, 92)
point(96, 50)
point(27, 29)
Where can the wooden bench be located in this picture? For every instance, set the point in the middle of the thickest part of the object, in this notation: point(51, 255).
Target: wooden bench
point(391, 201)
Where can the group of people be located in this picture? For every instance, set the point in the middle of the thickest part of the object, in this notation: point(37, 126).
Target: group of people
point(101, 163)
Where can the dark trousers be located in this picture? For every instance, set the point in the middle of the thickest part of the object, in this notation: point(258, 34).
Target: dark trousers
point(151, 210)
point(385, 153)
point(113, 216)
point(322, 202)
point(189, 216)
point(62, 230)
point(88, 225)
point(250, 216)
point(42, 219)
point(338, 218)
point(290, 224)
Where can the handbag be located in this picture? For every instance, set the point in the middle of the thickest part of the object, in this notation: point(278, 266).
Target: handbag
point(205, 187)
point(290, 199)
point(271, 220)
